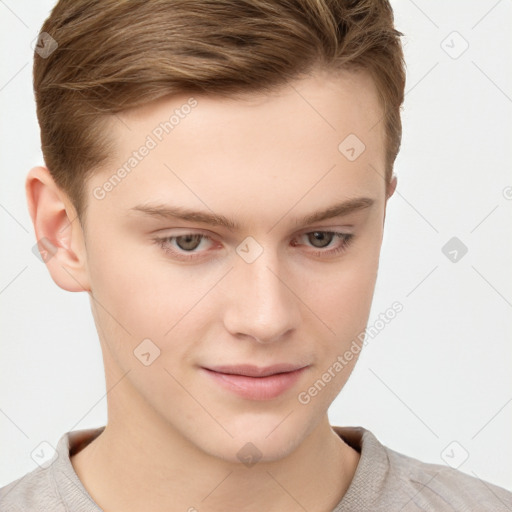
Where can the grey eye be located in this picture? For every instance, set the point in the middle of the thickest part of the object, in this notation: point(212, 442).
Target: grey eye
point(190, 242)
point(321, 237)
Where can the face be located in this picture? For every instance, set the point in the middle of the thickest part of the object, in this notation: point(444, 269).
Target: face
point(176, 300)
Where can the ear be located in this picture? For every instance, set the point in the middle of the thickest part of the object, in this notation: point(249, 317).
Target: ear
point(59, 234)
point(391, 187)
point(390, 190)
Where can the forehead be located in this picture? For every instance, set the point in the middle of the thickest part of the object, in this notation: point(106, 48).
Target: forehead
point(335, 103)
point(311, 140)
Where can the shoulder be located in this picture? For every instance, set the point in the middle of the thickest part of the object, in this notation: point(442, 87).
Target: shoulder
point(387, 480)
point(442, 486)
point(33, 491)
point(54, 485)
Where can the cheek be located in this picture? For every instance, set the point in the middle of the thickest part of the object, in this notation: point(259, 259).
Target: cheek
point(124, 278)
point(343, 296)
point(127, 306)
point(344, 306)
point(138, 297)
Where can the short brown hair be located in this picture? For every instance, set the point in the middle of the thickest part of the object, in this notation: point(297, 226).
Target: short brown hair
point(114, 55)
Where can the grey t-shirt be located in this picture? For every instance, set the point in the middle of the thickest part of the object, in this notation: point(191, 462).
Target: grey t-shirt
point(384, 481)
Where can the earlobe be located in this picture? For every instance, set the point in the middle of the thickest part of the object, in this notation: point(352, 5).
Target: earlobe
point(58, 232)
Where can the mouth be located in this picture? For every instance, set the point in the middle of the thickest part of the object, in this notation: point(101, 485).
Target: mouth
point(256, 383)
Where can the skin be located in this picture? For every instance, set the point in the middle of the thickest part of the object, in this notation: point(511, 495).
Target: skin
point(172, 435)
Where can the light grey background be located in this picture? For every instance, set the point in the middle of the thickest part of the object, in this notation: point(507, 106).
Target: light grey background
point(435, 383)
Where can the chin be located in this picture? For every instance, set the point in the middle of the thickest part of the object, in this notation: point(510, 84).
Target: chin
point(250, 453)
point(261, 439)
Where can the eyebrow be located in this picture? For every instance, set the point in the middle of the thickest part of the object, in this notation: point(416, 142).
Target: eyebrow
point(186, 214)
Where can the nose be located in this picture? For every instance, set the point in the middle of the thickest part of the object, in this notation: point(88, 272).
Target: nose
point(260, 302)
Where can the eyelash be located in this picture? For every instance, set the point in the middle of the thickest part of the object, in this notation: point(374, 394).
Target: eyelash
point(346, 239)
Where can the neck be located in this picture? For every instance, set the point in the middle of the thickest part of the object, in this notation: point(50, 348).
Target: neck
point(140, 462)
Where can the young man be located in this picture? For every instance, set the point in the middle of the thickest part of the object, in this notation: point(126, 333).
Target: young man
point(216, 180)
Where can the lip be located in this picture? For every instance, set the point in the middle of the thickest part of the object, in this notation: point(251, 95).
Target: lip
point(256, 383)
